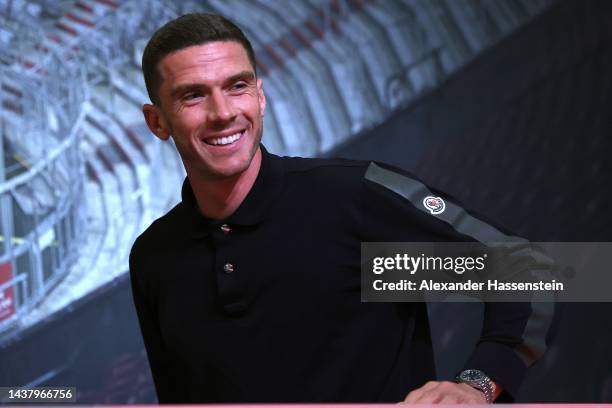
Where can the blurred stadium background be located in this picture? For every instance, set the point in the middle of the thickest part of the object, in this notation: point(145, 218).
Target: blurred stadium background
point(506, 104)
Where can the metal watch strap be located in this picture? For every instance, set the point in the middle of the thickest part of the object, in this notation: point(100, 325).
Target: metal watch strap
point(483, 383)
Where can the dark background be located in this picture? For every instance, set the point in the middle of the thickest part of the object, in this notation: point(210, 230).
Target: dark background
point(523, 135)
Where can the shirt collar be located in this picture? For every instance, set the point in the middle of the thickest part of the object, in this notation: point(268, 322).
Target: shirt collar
point(251, 211)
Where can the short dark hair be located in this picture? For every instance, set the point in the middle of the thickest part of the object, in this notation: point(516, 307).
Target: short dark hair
point(183, 32)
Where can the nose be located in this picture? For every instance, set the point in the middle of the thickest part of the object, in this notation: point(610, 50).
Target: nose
point(220, 108)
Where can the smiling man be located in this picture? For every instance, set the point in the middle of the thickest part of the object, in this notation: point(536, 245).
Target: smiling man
point(210, 101)
point(249, 289)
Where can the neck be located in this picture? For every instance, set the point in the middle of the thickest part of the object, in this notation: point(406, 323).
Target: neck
point(220, 198)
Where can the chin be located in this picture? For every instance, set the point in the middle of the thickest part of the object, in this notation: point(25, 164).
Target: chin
point(228, 171)
point(224, 165)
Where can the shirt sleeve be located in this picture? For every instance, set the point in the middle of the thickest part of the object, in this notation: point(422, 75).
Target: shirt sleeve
point(151, 335)
point(514, 335)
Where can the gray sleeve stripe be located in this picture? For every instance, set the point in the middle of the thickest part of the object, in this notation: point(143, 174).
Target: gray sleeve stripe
point(534, 334)
point(408, 188)
point(414, 191)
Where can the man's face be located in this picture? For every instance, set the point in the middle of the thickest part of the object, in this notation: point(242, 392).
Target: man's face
point(212, 105)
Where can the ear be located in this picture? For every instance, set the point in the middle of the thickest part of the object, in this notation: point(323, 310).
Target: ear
point(156, 121)
point(262, 97)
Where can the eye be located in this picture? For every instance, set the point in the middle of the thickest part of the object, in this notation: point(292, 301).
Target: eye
point(238, 86)
point(192, 95)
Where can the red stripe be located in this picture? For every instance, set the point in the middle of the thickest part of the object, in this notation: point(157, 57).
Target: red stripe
point(109, 3)
point(335, 26)
point(54, 38)
point(12, 107)
point(277, 58)
point(136, 141)
point(287, 45)
point(79, 20)
point(12, 90)
point(105, 160)
point(66, 28)
point(92, 174)
point(335, 6)
point(84, 7)
point(300, 35)
point(122, 152)
point(263, 68)
point(314, 28)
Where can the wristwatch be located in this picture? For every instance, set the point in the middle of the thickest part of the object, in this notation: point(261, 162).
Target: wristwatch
point(478, 380)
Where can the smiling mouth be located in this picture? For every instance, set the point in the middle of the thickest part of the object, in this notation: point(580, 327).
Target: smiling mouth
point(222, 141)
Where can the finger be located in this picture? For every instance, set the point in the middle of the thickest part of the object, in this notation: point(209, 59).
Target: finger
point(461, 398)
point(451, 399)
point(430, 384)
point(415, 396)
point(429, 397)
point(412, 397)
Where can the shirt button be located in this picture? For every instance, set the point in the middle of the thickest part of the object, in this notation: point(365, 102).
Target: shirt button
point(228, 268)
point(225, 228)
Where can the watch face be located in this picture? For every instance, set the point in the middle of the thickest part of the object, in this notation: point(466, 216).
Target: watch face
point(471, 375)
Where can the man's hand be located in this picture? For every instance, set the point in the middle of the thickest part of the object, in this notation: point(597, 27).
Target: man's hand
point(445, 392)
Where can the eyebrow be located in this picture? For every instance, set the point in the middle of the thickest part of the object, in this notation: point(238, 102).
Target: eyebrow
point(244, 75)
point(247, 76)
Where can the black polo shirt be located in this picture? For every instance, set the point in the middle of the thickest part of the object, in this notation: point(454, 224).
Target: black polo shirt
point(265, 306)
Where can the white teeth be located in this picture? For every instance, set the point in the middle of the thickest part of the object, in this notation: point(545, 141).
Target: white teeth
point(225, 140)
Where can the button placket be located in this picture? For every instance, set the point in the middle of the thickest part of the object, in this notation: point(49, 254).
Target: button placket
point(228, 267)
point(231, 281)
